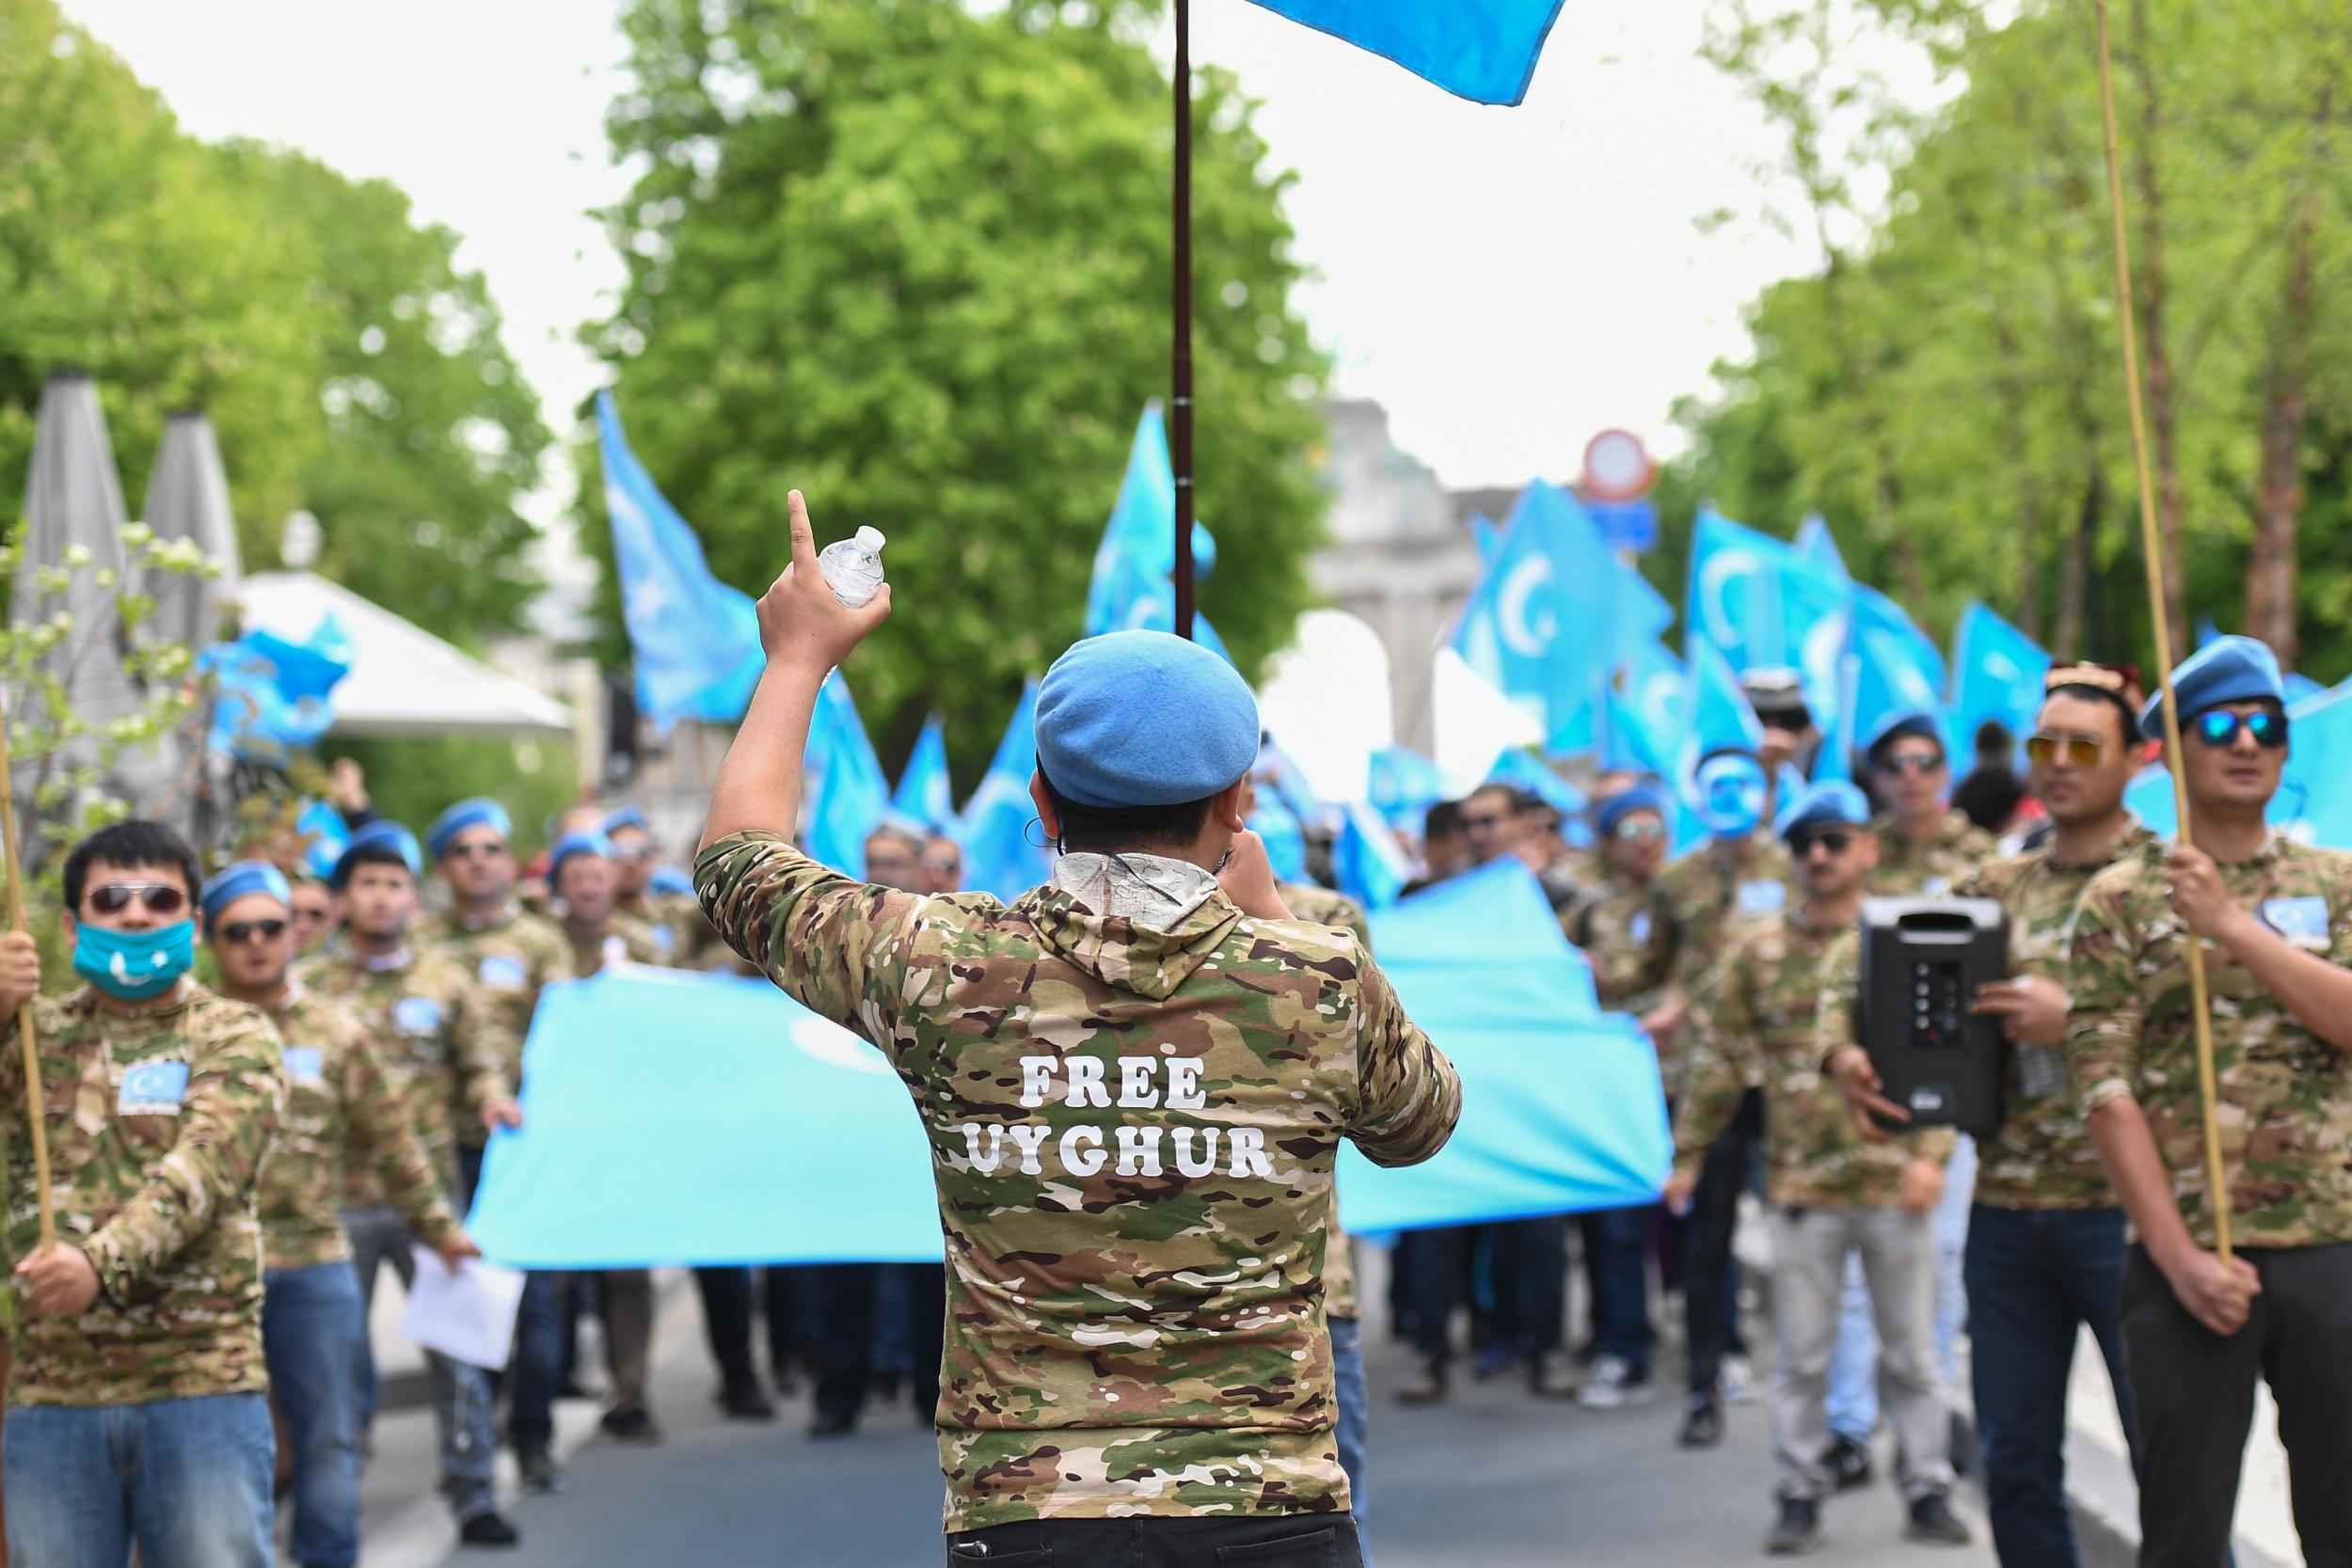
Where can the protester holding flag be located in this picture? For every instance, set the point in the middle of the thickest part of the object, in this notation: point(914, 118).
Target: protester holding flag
point(1834, 1194)
point(143, 1322)
point(1285, 1039)
point(2200, 1326)
point(340, 1109)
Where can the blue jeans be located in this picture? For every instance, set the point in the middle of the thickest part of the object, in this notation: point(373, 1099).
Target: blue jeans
point(2035, 1279)
point(187, 1482)
point(312, 1333)
point(1617, 1266)
point(463, 1414)
point(1355, 1412)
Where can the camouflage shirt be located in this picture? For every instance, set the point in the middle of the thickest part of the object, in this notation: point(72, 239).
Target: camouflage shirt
point(671, 928)
point(2286, 1094)
point(340, 1110)
point(510, 958)
point(1628, 935)
point(1929, 870)
point(440, 1041)
point(1758, 1022)
point(620, 942)
point(2043, 1157)
point(1326, 907)
point(1716, 898)
point(1133, 1132)
point(158, 1123)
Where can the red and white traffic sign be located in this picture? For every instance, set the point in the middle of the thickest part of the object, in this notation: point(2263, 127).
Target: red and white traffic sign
point(1617, 468)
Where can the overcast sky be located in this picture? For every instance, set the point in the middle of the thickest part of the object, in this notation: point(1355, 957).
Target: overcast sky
point(1506, 281)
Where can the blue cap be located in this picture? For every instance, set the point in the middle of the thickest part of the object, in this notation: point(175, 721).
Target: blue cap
point(480, 811)
point(1913, 722)
point(572, 845)
point(1143, 718)
point(238, 878)
point(627, 817)
point(2226, 670)
point(1641, 796)
point(1835, 804)
point(669, 878)
point(382, 833)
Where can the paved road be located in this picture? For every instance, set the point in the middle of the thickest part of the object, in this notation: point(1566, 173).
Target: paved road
point(1495, 1479)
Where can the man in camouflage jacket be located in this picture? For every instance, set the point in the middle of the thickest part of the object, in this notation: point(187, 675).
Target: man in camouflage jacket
point(138, 1412)
point(2275, 919)
point(1135, 1082)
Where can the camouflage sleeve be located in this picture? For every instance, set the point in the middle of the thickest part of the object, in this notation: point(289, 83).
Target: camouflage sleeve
point(1938, 1144)
point(227, 1116)
point(1409, 1096)
point(384, 1138)
point(2104, 1009)
point(1723, 1040)
point(831, 944)
point(480, 1045)
point(1837, 1020)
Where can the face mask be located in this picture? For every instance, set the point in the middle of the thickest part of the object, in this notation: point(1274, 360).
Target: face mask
point(133, 966)
point(1731, 795)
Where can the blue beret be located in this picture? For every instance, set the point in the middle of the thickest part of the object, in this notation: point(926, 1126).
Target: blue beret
point(1835, 804)
point(1916, 722)
point(1143, 718)
point(2226, 670)
point(627, 817)
point(1729, 783)
point(379, 835)
point(238, 878)
point(572, 845)
point(480, 811)
point(1641, 796)
point(669, 878)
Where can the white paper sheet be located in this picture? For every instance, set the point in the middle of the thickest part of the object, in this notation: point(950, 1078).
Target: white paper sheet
point(468, 1316)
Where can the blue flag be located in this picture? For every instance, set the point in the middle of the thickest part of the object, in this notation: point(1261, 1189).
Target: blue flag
point(1818, 545)
point(846, 791)
point(1763, 604)
point(1277, 825)
point(274, 697)
point(1133, 587)
point(1898, 670)
point(325, 837)
point(998, 854)
point(1488, 534)
point(1720, 715)
point(1481, 50)
point(1403, 785)
point(696, 640)
point(1997, 673)
point(924, 791)
point(1366, 861)
point(1522, 769)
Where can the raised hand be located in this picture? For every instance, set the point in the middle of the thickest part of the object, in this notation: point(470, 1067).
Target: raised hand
point(799, 621)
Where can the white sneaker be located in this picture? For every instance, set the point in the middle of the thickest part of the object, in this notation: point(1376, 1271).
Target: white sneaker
point(1737, 1380)
point(1613, 1384)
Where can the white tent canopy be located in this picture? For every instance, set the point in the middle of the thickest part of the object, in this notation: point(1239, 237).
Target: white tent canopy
point(404, 680)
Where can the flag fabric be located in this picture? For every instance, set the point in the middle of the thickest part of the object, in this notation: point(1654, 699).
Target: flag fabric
point(1486, 534)
point(1720, 715)
point(1366, 861)
point(1762, 603)
point(998, 854)
point(274, 697)
point(1997, 673)
point(1481, 50)
point(844, 791)
point(1818, 545)
point(1402, 786)
point(1898, 670)
point(1522, 769)
point(1277, 826)
point(923, 792)
point(1133, 587)
point(696, 641)
point(324, 836)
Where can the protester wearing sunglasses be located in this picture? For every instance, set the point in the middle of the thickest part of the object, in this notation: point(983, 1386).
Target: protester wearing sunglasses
point(145, 1317)
point(340, 1109)
point(2275, 920)
point(654, 908)
point(1834, 1195)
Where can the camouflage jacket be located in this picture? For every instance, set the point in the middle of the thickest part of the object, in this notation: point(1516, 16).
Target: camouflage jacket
point(1756, 1022)
point(2043, 1157)
point(340, 1110)
point(2285, 1093)
point(440, 1042)
point(1929, 870)
point(672, 929)
point(1326, 907)
point(1133, 1134)
point(623, 943)
point(510, 959)
point(1714, 900)
point(1628, 936)
point(157, 1125)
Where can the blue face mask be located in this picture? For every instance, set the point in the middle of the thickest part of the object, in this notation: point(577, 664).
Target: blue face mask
point(131, 966)
point(1731, 795)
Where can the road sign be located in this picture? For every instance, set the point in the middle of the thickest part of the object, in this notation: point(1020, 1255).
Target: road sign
point(1617, 468)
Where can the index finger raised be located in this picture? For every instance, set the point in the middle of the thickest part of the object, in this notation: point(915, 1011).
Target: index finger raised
point(803, 537)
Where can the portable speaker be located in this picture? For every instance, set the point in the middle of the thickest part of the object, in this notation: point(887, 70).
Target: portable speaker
point(1922, 962)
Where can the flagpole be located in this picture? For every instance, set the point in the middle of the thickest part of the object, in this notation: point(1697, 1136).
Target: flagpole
point(12, 862)
point(1181, 404)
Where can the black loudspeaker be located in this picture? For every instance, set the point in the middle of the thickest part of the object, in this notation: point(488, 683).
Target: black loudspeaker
point(1922, 962)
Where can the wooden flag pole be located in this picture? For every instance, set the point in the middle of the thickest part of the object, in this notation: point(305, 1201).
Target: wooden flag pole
point(2127, 327)
point(14, 867)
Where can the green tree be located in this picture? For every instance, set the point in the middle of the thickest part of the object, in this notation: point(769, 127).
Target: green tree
point(915, 261)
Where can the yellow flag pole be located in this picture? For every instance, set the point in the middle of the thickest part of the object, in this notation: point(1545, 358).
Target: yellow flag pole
point(13, 865)
point(2127, 327)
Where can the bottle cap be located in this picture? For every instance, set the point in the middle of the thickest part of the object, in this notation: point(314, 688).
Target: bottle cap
point(870, 540)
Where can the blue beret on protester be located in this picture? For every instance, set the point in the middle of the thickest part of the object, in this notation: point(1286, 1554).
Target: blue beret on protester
point(627, 817)
point(2227, 670)
point(1835, 804)
point(572, 845)
point(480, 811)
point(1143, 718)
point(379, 835)
point(1917, 722)
point(237, 880)
point(1625, 803)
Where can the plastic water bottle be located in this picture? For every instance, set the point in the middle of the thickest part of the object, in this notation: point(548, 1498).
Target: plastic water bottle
point(853, 567)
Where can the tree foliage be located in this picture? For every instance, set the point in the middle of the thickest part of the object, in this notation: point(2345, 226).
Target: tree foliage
point(915, 261)
point(1946, 388)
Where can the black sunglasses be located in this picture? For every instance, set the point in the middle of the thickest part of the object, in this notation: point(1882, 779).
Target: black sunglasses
point(483, 849)
point(238, 932)
point(1912, 762)
point(1836, 841)
point(2220, 728)
point(159, 897)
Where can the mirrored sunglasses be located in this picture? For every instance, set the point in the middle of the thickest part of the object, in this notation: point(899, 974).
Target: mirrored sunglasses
point(1913, 762)
point(238, 932)
point(2220, 728)
point(159, 897)
point(1641, 831)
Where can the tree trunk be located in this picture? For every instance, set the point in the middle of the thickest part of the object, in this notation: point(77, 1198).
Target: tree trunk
point(2066, 635)
point(2163, 399)
point(2270, 571)
point(2030, 518)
